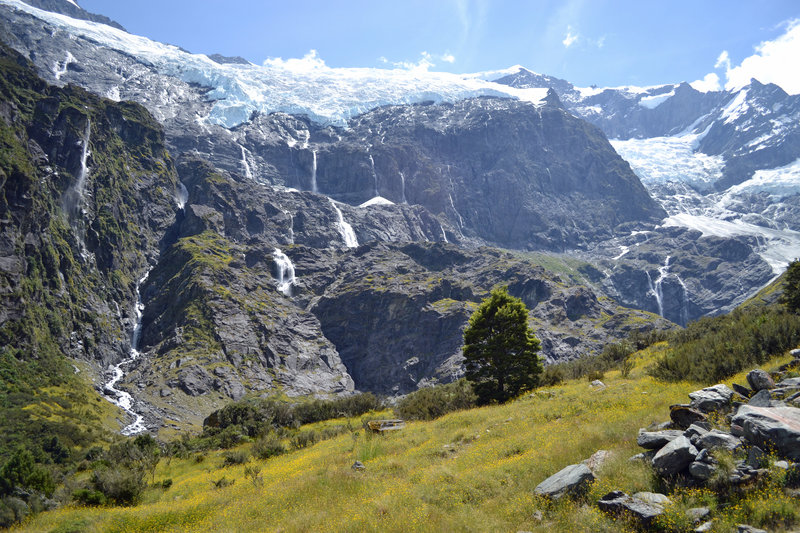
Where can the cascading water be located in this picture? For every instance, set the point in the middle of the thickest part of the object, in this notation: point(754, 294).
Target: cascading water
point(444, 235)
point(314, 171)
point(248, 172)
point(119, 397)
point(656, 289)
point(374, 175)
point(285, 272)
point(345, 229)
point(72, 202)
point(181, 196)
point(403, 190)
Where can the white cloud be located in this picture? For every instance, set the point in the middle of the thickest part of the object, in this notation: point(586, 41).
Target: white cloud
point(709, 83)
point(724, 60)
point(774, 62)
point(309, 62)
point(424, 63)
point(570, 38)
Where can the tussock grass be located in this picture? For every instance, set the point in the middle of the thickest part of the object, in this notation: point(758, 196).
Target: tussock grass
point(472, 470)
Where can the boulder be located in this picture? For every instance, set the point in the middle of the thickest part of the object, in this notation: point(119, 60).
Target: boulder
point(696, 514)
point(694, 433)
point(795, 353)
point(762, 398)
point(777, 428)
point(719, 439)
point(573, 479)
point(617, 502)
point(653, 498)
point(685, 415)
point(741, 389)
point(655, 440)
point(704, 527)
point(760, 380)
point(358, 466)
point(674, 457)
point(711, 398)
point(744, 528)
point(596, 461)
point(701, 470)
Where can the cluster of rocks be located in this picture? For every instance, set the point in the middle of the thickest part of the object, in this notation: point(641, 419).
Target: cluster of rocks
point(764, 433)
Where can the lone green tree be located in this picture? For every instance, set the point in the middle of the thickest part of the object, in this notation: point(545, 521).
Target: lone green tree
point(791, 291)
point(500, 350)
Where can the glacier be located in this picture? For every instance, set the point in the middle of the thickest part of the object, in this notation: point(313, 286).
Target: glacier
point(306, 86)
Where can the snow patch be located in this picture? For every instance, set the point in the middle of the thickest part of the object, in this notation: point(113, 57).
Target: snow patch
point(652, 102)
point(377, 200)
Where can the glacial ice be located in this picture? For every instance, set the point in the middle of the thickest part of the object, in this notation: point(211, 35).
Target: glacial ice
point(297, 86)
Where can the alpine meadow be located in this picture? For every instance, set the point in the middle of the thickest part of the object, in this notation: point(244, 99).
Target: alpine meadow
point(340, 268)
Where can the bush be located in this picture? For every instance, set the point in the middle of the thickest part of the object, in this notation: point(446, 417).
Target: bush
point(21, 471)
point(712, 349)
point(433, 402)
point(120, 485)
point(234, 458)
point(304, 439)
point(89, 497)
point(268, 446)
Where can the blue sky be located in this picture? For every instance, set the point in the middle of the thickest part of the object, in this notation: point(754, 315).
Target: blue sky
point(587, 42)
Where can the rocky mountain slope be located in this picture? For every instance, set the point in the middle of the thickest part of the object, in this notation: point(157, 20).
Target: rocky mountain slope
point(242, 286)
point(323, 241)
point(721, 162)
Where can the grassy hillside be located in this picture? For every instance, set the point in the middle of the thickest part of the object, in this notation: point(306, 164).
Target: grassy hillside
point(472, 470)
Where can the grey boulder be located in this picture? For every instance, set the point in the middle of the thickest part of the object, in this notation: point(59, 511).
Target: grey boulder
point(674, 457)
point(573, 479)
point(719, 439)
point(655, 440)
point(760, 380)
point(711, 398)
point(771, 427)
point(617, 502)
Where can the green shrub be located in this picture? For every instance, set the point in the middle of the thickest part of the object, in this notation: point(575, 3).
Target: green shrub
point(303, 439)
point(120, 485)
point(712, 349)
point(21, 471)
point(268, 446)
point(433, 402)
point(238, 457)
point(89, 497)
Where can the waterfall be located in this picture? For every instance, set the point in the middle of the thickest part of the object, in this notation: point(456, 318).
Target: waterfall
point(181, 196)
point(374, 174)
point(444, 235)
point(72, 201)
point(248, 172)
point(314, 171)
point(291, 226)
point(285, 272)
point(59, 69)
point(403, 190)
point(460, 220)
point(345, 229)
point(684, 303)
point(119, 397)
point(655, 288)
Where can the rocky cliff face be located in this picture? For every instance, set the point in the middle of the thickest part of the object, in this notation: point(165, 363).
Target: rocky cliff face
point(88, 193)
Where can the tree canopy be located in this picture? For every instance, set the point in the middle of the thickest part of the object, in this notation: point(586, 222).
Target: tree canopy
point(500, 350)
point(791, 292)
